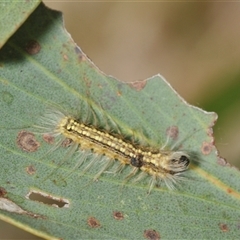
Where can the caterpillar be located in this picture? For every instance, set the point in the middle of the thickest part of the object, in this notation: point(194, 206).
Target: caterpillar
point(113, 148)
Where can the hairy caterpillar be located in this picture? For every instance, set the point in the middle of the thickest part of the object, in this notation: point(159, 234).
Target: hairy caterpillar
point(111, 148)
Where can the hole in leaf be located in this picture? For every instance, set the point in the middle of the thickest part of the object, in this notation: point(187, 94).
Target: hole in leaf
point(47, 199)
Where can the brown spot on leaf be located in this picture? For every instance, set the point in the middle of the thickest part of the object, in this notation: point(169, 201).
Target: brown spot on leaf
point(65, 57)
point(67, 142)
point(138, 85)
point(173, 132)
point(151, 234)
point(223, 227)
point(229, 190)
point(32, 47)
point(30, 170)
point(206, 148)
point(27, 141)
point(48, 138)
point(119, 93)
point(3, 192)
point(93, 222)
point(118, 215)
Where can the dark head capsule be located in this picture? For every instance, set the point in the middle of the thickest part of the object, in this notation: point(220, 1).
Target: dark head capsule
point(137, 161)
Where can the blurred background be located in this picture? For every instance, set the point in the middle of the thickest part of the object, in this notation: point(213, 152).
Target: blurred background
point(194, 45)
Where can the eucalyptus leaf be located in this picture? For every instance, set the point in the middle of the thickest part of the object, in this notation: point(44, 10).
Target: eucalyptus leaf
point(40, 65)
point(12, 16)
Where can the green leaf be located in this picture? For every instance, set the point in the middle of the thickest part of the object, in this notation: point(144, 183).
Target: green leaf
point(12, 16)
point(40, 65)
